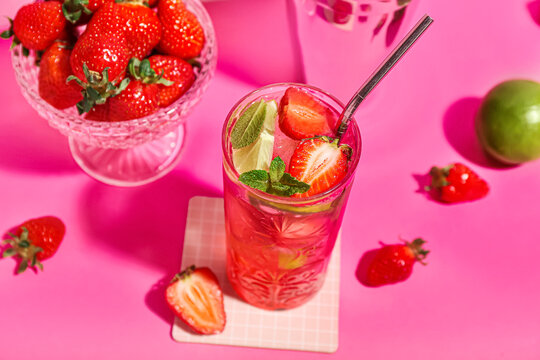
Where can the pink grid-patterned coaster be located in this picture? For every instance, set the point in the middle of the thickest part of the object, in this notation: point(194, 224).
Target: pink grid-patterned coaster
point(311, 327)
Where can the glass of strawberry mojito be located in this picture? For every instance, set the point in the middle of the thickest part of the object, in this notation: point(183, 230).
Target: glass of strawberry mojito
point(286, 183)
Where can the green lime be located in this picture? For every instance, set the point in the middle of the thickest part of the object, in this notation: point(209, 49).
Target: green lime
point(291, 259)
point(258, 154)
point(508, 123)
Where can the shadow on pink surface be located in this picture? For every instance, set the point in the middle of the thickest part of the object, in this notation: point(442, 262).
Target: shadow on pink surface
point(155, 301)
point(145, 223)
point(424, 180)
point(459, 130)
point(363, 265)
point(534, 10)
point(27, 144)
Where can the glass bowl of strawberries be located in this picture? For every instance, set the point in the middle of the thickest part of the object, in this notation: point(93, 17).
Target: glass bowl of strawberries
point(117, 77)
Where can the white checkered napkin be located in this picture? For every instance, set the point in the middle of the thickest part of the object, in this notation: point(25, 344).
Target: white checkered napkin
point(311, 327)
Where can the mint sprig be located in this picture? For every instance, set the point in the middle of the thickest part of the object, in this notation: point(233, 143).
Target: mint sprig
point(249, 125)
point(275, 181)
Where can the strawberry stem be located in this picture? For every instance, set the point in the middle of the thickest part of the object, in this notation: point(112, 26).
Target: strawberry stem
point(142, 71)
point(22, 247)
point(439, 177)
point(73, 9)
point(416, 247)
point(97, 88)
point(183, 274)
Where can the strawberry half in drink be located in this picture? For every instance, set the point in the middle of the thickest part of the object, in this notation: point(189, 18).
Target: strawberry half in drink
point(281, 141)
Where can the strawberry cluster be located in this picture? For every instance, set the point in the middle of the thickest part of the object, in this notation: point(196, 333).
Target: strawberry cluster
point(131, 58)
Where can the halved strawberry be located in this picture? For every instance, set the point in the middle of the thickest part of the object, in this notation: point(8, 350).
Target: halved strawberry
point(194, 295)
point(302, 116)
point(319, 162)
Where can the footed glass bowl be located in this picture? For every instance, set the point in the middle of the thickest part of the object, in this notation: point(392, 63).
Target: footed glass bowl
point(126, 153)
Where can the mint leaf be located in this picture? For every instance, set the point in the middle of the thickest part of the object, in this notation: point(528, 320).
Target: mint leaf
point(257, 179)
point(277, 169)
point(295, 186)
point(276, 181)
point(249, 126)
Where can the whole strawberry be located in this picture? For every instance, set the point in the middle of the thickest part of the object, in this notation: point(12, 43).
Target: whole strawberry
point(37, 25)
point(136, 101)
point(134, 20)
point(457, 183)
point(54, 69)
point(35, 240)
point(196, 298)
point(183, 35)
point(394, 263)
point(99, 66)
point(99, 52)
point(140, 98)
point(98, 113)
point(176, 70)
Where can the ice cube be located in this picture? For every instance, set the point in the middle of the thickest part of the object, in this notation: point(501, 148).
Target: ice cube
point(284, 146)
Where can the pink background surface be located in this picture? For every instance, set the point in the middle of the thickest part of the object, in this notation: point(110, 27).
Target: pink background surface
point(478, 298)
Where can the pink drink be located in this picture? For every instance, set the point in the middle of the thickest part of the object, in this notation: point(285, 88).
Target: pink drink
point(278, 248)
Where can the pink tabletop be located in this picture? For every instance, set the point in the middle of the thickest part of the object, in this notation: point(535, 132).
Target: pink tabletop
point(101, 296)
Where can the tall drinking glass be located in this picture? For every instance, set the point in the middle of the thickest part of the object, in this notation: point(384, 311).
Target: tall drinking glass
point(278, 248)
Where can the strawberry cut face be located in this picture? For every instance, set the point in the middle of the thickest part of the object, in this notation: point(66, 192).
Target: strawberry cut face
point(196, 298)
point(302, 116)
point(319, 162)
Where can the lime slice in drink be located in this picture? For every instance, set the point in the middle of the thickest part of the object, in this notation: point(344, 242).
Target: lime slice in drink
point(270, 119)
point(291, 260)
point(258, 155)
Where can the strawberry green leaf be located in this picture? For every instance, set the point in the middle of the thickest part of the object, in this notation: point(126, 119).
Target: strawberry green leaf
point(249, 125)
point(24, 243)
point(123, 85)
point(22, 266)
point(145, 69)
point(72, 17)
point(9, 32)
point(73, 9)
point(9, 252)
point(142, 70)
point(6, 34)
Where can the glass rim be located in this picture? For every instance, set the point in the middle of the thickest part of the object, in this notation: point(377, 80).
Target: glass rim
point(283, 199)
